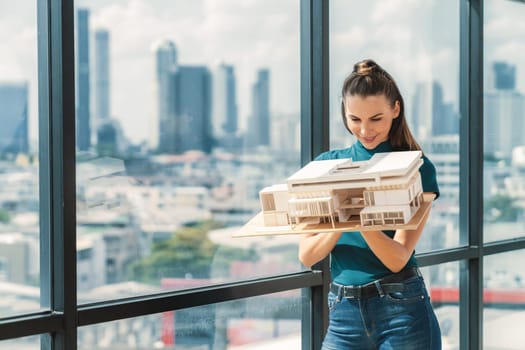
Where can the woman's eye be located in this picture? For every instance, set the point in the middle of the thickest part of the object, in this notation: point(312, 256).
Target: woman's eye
point(375, 119)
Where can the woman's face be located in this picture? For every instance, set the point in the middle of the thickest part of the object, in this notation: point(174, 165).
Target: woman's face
point(370, 118)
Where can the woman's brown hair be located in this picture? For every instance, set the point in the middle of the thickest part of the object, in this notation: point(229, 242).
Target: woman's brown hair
point(370, 79)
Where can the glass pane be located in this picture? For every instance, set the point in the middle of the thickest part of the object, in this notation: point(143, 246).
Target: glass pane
point(25, 343)
point(19, 194)
point(504, 301)
point(504, 120)
point(442, 282)
point(185, 110)
point(418, 44)
point(267, 322)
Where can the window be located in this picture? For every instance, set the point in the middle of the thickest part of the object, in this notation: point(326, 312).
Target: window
point(19, 161)
point(419, 46)
point(177, 132)
point(504, 115)
point(503, 172)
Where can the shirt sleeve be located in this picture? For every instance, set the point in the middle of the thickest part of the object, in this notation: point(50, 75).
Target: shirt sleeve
point(325, 155)
point(428, 177)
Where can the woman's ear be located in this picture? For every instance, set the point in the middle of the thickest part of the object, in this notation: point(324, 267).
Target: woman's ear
point(397, 109)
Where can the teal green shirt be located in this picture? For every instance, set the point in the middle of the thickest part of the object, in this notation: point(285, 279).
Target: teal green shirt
point(351, 261)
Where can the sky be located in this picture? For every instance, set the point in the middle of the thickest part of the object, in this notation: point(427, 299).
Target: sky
point(415, 40)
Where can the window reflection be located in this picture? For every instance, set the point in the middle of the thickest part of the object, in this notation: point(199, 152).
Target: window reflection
point(184, 112)
point(262, 322)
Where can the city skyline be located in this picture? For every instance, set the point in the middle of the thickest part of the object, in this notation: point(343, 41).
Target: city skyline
point(13, 116)
point(209, 43)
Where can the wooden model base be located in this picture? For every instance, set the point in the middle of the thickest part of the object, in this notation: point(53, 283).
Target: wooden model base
point(256, 227)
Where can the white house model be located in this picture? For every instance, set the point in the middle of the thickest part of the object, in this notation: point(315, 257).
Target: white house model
point(381, 192)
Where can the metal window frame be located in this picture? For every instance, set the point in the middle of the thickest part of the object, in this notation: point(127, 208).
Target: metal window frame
point(57, 163)
point(471, 181)
point(315, 127)
point(61, 316)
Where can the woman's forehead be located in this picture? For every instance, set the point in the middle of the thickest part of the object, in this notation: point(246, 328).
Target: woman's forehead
point(359, 100)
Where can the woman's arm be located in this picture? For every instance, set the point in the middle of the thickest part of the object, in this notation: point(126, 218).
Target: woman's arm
point(394, 252)
point(314, 247)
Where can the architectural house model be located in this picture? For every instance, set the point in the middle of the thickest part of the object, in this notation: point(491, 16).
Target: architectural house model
point(384, 192)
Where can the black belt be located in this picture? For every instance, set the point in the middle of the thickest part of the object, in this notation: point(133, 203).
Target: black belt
point(389, 284)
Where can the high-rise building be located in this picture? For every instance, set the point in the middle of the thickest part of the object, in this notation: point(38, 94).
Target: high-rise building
point(504, 107)
point(420, 118)
point(431, 115)
point(14, 118)
point(190, 90)
point(504, 126)
point(225, 119)
point(166, 65)
point(504, 76)
point(259, 128)
point(102, 79)
point(445, 120)
point(110, 138)
point(83, 95)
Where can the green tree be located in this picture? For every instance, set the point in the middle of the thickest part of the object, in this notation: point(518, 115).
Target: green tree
point(188, 253)
point(501, 208)
point(4, 216)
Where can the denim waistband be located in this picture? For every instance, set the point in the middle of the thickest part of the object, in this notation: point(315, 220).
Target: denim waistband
point(388, 284)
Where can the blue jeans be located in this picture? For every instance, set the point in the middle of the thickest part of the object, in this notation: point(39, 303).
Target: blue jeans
point(399, 321)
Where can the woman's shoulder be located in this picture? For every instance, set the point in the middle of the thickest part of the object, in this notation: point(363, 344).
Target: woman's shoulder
point(429, 176)
point(427, 164)
point(336, 154)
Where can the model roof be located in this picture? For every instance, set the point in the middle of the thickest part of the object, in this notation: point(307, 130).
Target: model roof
point(383, 168)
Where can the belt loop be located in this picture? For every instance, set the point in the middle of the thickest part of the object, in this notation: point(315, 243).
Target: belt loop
point(379, 288)
point(340, 292)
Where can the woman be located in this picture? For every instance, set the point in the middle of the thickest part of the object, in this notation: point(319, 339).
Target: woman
point(377, 298)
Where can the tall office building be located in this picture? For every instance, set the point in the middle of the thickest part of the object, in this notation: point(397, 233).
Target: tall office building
point(166, 65)
point(445, 121)
point(259, 128)
point(504, 126)
point(504, 76)
point(83, 95)
point(225, 118)
point(431, 115)
point(14, 118)
point(190, 96)
point(420, 118)
point(110, 138)
point(109, 134)
point(102, 81)
point(504, 113)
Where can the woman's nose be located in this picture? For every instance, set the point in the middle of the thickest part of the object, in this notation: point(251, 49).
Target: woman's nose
point(365, 129)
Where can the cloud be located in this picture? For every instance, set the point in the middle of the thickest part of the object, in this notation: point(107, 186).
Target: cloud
point(396, 11)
